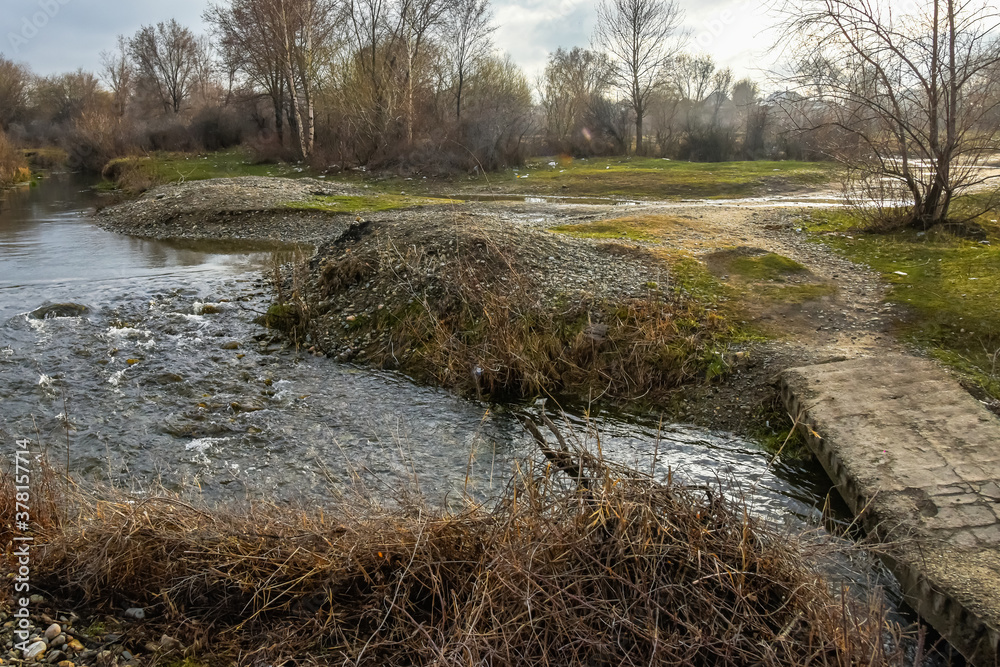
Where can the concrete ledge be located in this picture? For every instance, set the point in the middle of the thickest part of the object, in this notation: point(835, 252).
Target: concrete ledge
point(917, 459)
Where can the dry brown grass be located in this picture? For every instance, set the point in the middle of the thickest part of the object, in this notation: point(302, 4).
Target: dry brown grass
point(13, 166)
point(463, 311)
point(579, 563)
point(132, 175)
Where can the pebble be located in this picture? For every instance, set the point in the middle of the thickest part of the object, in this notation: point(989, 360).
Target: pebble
point(35, 651)
point(52, 632)
point(135, 613)
point(56, 656)
point(58, 641)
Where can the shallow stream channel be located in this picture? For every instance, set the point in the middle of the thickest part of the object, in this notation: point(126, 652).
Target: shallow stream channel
point(164, 377)
point(160, 376)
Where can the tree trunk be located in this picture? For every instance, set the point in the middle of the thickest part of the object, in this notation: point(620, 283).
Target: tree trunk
point(638, 134)
point(296, 116)
point(310, 138)
point(409, 95)
point(278, 99)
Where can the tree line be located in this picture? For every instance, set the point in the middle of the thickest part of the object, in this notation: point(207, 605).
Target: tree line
point(908, 99)
point(384, 83)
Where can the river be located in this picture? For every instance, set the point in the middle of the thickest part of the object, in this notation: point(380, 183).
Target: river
point(149, 386)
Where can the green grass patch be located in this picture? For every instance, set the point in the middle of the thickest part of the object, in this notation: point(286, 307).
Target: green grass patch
point(766, 277)
point(372, 203)
point(948, 288)
point(173, 167)
point(657, 178)
point(765, 267)
point(636, 228)
point(137, 173)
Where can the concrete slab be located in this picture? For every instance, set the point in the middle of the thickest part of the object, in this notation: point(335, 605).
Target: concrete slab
point(918, 460)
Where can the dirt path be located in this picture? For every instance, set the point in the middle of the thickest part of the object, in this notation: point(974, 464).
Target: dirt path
point(849, 321)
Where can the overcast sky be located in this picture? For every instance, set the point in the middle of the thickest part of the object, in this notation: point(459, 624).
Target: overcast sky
point(60, 35)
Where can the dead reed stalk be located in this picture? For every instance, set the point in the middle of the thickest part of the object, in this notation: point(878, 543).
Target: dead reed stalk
point(579, 562)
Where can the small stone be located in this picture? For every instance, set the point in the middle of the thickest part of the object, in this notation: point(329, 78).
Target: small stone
point(168, 643)
point(58, 641)
point(231, 345)
point(35, 651)
point(52, 632)
point(56, 656)
point(37, 599)
point(66, 663)
point(135, 613)
point(75, 645)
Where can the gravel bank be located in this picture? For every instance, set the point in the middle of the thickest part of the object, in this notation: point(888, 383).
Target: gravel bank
point(249, 208)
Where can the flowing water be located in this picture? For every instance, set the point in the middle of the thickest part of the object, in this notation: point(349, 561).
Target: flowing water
point(167, 378)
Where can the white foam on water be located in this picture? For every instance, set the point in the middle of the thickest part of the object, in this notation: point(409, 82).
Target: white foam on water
point(129, 333)
point(201, 447)
point(117, 377)
point(199, 307)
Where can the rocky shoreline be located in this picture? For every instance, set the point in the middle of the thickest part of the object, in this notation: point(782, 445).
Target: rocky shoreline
point(65, 639)
point(230, 209)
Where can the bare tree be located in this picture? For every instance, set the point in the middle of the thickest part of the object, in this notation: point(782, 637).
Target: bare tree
point(166, 56)
point(691, 76)
point(13, 91)
point(571, 82)
point(278, 43)
point(753, 116)
point(466, 41)
point(417, 19)
point(61, 98)
point(246, 43)
point(640, 37)
point(911, 90)
point(118, 75)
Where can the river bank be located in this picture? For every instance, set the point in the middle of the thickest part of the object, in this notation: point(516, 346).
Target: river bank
point(168, 373)
point(577, 562)
point(681, 307)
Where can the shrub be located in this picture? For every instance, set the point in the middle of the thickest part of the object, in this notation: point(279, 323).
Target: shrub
point(13, 167)
point(216, 129)
point(97, 137)
point(132, 174)
point(46, 158)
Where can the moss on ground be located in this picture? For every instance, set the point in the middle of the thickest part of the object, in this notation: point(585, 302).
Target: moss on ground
point(766, 267)
point(646, 228)
point(372, 203)
point(948, 288)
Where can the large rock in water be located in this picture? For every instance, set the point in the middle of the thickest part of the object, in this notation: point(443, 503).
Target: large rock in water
point(60, 310)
